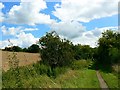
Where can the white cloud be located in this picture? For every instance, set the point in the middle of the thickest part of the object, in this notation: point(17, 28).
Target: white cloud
point(68, 29)
point(78, 34)
point(1, 14)
point(82, 37)
point(71, 12)
point(10, 31)
point(22, 40)
point(28, 13)
point(25, 40)
point(15, 30)
point(98, 31)
point(86, 40)
point(30, 29)
point(86, 10)
point(3, 44)
point(91, 37)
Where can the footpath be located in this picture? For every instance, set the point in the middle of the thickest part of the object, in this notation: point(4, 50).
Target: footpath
point(103, 85)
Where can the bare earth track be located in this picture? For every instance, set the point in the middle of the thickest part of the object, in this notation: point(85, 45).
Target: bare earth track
point(103, 85)
point(24, 58)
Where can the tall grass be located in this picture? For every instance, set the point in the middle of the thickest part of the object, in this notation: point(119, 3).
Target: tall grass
point(81, 64)
point(110, 79)
point(40, 75)
point(70, 79)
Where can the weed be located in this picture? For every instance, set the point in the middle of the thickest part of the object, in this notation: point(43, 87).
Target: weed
point(80, 64)
point(14, 65)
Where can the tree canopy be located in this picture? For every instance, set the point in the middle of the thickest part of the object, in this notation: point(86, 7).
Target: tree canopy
point(109, 48)
point(33, 48)
point(56, 51)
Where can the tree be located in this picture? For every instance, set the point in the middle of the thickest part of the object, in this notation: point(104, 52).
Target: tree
point(17, 49)
point(8, 49)
point(25, 50)
point(108, 51)
point(33, 48)
point(14, 48)
point(83, 52)
point(55, 51)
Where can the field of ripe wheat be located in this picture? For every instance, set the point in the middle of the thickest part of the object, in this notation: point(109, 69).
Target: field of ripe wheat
point(24, 58)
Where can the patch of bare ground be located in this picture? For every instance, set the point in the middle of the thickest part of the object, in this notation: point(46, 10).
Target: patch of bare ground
point(103, 84)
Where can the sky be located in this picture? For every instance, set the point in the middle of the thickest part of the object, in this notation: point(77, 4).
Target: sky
point(24, 22)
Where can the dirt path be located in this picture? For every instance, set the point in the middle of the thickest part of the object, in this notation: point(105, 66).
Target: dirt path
point(103, 85)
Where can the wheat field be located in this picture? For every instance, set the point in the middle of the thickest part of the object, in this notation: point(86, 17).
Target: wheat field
point(24, 58)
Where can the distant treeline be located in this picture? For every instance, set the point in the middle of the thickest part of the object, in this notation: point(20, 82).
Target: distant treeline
point(34, 48)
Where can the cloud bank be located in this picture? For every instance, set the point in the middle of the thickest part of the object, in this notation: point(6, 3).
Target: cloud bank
point(71, 14)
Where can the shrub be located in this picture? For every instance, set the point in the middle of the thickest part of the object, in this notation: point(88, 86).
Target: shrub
point(34, 48)
point(55, 51)
point(41, 68)
point(44, 69)
point(58, 70)
point(80, 64)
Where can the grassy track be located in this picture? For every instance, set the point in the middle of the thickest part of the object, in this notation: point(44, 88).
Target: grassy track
point(79, 79)
point(110, 79)
point(71, 79)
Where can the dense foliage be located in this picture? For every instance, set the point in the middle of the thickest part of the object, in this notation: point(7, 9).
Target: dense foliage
point(34, 48)
point(83, 52)
point(108, 51)
point(61, 52)
point(14, 48)
point(56, 54)
point(56, 51)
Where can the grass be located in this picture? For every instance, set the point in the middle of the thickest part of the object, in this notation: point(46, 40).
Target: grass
point(110, 79)
point(78, 79)
point(40, 76)
point(70, 79)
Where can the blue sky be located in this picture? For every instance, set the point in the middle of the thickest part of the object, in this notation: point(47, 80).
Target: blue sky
point(43, 28)
point(25, 22)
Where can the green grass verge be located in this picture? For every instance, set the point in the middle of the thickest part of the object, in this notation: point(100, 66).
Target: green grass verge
point(78, 79)
point(71, 79)
point(110, 79)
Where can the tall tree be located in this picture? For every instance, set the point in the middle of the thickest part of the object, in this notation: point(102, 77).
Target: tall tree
point(109, 48)
point(34, 48)
point(55, 51)
point(83, 52)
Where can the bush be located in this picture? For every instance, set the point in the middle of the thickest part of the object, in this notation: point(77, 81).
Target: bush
point(34, 48)
point(56, 52)
point(59, 70)
point(80, 64)
point(44, 69)
point(13, 48)
point(41, 68)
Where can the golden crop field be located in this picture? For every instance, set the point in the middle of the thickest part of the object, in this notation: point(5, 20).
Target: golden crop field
point(24, 58)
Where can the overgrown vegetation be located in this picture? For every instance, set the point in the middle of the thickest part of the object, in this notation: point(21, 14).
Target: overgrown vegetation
point(54, 51)
point(108, 51)
point(66, 65)
point(41, 76)
point(110, 79)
